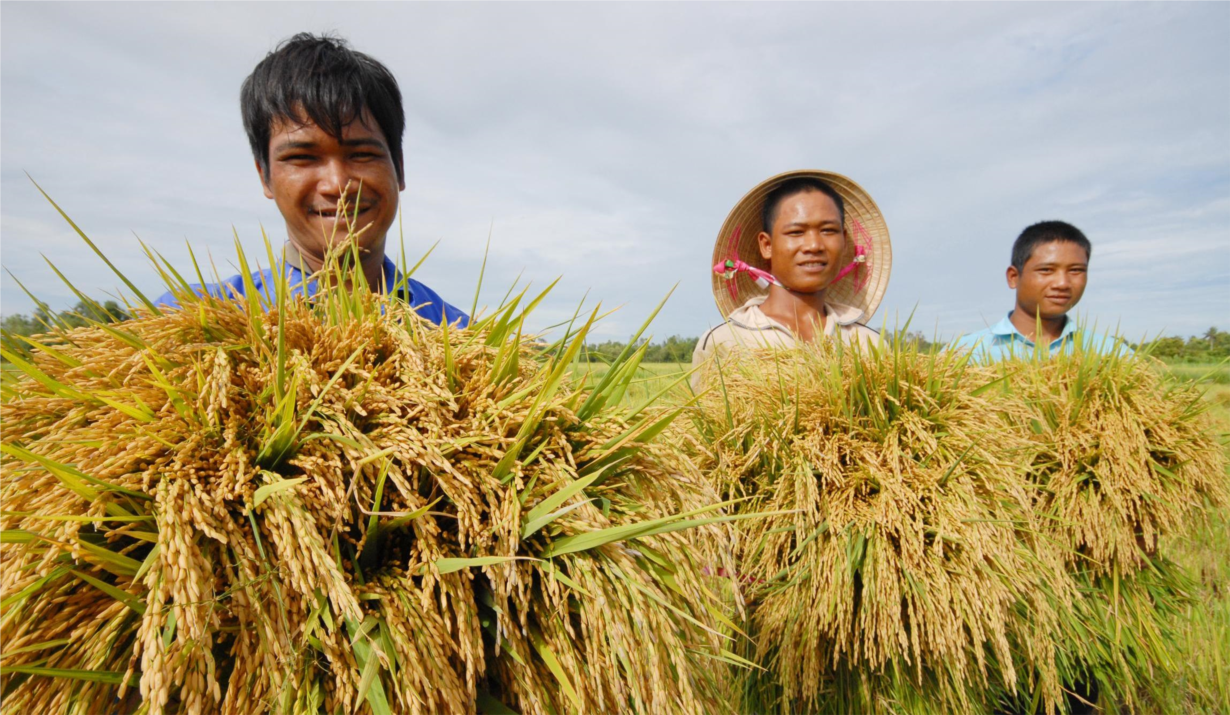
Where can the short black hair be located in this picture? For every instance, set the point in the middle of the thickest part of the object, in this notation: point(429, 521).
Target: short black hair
point(320, 78)
point(789, 188)
point(1046, 232)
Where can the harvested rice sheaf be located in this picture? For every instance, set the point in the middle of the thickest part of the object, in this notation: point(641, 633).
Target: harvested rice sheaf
point(284, 506)
point(1123, 456)
point(900, 572)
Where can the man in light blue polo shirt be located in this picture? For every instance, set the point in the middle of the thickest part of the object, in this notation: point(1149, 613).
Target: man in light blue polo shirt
point(322, 119)
point(1050, 265)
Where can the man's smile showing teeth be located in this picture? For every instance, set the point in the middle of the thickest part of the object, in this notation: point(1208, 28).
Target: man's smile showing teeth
point(332, 212)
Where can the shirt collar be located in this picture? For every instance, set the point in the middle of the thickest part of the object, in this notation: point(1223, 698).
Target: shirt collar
point(750, 316)
point(297, 272)
point(1005, 329)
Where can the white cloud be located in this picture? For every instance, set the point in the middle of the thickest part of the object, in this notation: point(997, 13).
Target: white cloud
point(607, 142)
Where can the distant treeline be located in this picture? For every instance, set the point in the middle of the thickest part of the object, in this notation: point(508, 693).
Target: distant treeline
point(41, 321)
point(677, 349)
point(1212, 346)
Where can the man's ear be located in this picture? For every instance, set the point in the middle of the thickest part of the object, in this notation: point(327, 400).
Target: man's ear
point(1013, 276)
point(401, 172)
point(765, 242)
point(264, 184)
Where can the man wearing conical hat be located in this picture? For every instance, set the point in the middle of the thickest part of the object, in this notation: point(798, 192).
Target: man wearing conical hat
point(803, 256)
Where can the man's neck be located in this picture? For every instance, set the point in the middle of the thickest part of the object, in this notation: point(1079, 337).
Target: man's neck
point(372, 262)
point(1037, 331)
point(803, 313)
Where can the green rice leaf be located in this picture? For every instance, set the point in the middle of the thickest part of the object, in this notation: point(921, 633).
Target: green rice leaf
point(118, 564)
point(541, 514)
point(450, 565)
point(276, 487)
point(141, 296)
point(488, 705)
point(109, 677)
point(552, 663)
point(118, 594)
point(34, 647)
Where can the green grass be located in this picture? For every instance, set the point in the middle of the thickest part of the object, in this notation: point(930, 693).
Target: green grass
point(1215, 379)
point(1217, 373)
point(651, 378)
point(1204, 640)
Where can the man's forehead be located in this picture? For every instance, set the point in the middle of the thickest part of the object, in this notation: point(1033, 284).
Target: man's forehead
point(298, 126)
point(1058, 252)
point(805, 207)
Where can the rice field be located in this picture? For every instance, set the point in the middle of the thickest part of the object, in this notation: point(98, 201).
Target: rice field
point(1204, 639)
point(650, 379)
point(1211, 373)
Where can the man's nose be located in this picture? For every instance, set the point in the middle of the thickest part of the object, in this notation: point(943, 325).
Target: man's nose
point(1062, 279)
point(812, 242)
point(333, 178)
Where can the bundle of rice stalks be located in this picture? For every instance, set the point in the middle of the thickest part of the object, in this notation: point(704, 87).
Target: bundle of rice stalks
point(1123, 456)
point(906, 575)
point(279, 505)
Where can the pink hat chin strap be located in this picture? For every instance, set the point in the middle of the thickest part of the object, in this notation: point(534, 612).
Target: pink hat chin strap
point(733, 265)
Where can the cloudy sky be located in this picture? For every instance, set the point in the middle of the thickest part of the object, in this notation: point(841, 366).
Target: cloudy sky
point(607, 142)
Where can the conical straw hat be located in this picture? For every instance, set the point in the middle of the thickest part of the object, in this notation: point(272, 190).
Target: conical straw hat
point(862, 287)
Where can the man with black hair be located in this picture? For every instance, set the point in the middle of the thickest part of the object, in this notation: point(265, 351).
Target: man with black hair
point(1050, 266)
point(323, 119)
point(801, 240)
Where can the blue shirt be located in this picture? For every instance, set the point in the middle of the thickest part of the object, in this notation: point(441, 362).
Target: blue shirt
point(1003, 340)
point(426, 302)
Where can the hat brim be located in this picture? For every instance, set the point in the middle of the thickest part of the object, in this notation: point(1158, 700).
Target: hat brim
point(862, 288)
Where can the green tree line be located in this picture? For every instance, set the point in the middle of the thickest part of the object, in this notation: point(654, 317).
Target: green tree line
point(14, 327)
point(1214, 345)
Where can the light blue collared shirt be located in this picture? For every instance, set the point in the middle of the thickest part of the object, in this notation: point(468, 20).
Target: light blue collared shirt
point(1003, 340)
point(426, 302)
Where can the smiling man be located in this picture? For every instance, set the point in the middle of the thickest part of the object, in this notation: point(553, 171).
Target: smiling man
point(1050, 267)
point(810, 251)
point(321, 118)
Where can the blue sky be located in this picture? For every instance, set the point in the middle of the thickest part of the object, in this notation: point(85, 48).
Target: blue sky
point(607, 142)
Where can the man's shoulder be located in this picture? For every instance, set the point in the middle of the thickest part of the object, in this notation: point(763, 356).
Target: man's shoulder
point(1102, 343)
point(984, 337)
point(431, 306)
point(233, 287)
point(863, 331)
point(714, 335)
point(736, 332)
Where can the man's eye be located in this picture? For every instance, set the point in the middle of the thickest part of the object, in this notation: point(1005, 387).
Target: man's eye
point(298, 157)
point(364, 156)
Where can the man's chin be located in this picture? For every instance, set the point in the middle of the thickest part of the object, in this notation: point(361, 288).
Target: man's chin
point(811, 285)
point(337, 230)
